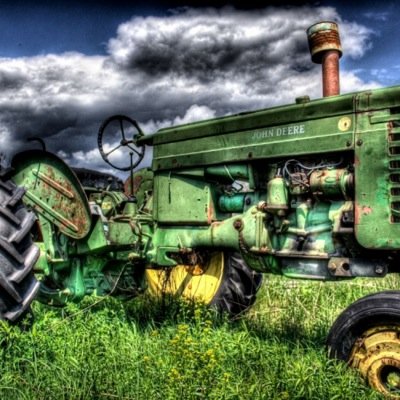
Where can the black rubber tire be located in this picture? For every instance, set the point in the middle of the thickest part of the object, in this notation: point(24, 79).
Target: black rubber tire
point(239, 286)
point(378, 309)
point(18, 254)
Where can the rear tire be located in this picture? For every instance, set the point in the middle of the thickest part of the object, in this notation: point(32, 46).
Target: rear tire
point(225, 282)
point(18, 254)
point(238, 288)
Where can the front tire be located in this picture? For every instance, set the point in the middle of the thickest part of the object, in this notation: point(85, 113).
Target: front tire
point(18, 254)
point(224, 282)
point(367, 336)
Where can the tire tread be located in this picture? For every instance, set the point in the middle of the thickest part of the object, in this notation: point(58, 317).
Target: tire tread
point(373, 310)
point(18, 254)
point(239, 287)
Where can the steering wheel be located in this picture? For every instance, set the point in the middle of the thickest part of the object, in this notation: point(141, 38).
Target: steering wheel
point(126, 131)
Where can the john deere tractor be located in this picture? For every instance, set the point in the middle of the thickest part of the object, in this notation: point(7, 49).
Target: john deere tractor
point(307, 190)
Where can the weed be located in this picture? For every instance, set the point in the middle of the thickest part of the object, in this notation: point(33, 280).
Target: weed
point(177, 350)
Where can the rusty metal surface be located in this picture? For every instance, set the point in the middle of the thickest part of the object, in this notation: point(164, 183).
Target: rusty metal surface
point(137, 180)
point(377, 177)
point(325, 49)
point(377, 356)
point(53, 191)
point(322, 37)
point(330, 73)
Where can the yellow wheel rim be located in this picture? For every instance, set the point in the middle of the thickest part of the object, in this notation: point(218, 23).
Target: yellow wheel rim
point(377, 356)
point(199, 282)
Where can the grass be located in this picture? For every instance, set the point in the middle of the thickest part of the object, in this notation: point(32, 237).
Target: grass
point(146, 350)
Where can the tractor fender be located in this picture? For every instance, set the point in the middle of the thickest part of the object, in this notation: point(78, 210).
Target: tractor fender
point(53, 191)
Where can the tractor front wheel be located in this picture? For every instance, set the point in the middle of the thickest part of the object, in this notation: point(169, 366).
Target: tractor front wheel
point(224, 281)
point(18, 254)
point(367, 336)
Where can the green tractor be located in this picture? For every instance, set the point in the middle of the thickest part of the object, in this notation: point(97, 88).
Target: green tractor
point(308, 190)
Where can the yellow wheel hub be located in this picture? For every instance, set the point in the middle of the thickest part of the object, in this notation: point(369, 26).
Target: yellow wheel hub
point(199, 282)
point(377, 356)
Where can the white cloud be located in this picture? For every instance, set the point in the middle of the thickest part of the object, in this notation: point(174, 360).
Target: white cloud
point(377, 16)
point(195, 113)
point(352, 83)
point(355, 39)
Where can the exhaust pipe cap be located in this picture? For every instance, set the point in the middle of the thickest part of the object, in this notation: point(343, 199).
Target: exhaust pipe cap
point(323, 36)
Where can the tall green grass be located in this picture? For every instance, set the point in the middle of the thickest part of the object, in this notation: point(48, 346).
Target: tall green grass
point(174, 350)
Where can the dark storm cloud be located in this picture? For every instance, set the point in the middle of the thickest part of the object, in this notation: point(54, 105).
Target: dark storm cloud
point(210, 44)
point(11, 80)
point(221, 44)
point(190, 65)
point(27, 121)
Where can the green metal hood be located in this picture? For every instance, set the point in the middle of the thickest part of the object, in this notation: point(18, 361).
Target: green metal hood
point(317, 126)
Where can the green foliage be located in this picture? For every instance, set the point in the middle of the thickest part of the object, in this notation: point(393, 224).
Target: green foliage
point(174, 350)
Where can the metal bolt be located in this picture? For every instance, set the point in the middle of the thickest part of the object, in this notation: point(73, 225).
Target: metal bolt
point(238, 224)
point(359, 142)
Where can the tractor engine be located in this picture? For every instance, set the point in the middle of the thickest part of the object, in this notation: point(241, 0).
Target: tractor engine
point(310, 220)
point(294, 217)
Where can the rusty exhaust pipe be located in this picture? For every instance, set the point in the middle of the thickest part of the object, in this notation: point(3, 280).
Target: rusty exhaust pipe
point(325, 49)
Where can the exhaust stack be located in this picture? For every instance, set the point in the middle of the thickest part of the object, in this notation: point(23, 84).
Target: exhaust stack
point(325, 49)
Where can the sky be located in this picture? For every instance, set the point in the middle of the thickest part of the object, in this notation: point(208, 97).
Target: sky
point(67, 66)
